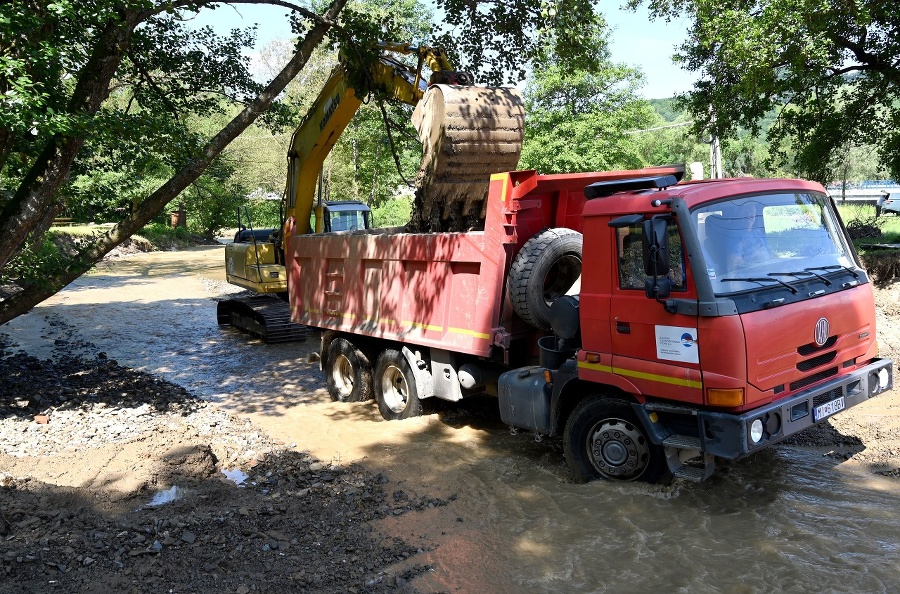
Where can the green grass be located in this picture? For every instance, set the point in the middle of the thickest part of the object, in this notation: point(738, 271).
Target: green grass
point(864, 214)
point(160, 236)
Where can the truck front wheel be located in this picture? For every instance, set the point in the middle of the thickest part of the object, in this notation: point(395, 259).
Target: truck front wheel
point(604, 439)
point(395, 387)
point(348, 372)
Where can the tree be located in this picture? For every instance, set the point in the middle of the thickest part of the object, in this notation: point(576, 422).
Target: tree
point(119, 78)
point(56, 90)
point(828, 69)
point(577, 119)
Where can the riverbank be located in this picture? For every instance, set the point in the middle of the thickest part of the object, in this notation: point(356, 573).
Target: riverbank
point(128, 388)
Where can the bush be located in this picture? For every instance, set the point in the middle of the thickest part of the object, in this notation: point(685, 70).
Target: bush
point(393, 213)
point(164, 236)
point(39, 260)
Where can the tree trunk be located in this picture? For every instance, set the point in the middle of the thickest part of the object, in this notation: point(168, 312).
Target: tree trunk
point(33, 206)
point(23, 301)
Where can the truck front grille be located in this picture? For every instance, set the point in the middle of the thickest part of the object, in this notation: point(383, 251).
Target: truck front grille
point(808, 349)
point(814, 357)
point(822, 359)
point(811, 379)
point(827, 397)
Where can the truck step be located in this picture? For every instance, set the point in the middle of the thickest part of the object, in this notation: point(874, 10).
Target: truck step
point(691, 473)
point(684, 442)
point(671, 408)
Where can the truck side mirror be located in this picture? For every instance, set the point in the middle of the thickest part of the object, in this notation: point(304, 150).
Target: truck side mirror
point(658, 288)
point(656, 258)
point(656, 247)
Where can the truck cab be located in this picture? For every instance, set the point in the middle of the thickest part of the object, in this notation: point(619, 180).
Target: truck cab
point(714, 319)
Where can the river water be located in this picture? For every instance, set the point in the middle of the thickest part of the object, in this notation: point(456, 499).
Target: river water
point(787, 520)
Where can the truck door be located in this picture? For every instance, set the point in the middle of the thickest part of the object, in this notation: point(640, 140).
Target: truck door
point(652, 348)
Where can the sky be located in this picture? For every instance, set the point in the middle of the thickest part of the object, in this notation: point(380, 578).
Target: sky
point(635, 40)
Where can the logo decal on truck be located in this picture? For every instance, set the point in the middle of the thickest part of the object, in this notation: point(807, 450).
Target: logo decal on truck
point(674, 343)
point(823, 329)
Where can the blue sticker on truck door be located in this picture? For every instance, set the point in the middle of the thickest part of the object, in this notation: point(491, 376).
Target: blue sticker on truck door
point(674, 343)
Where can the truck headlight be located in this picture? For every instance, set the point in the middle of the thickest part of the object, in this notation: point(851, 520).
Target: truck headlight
point(884, 378)
point(756, 430)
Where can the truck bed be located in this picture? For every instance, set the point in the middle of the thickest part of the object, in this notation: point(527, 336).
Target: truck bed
point(442, 290)
point(435, 290)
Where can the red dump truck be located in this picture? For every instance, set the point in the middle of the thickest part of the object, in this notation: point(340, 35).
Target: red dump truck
point(656, 326)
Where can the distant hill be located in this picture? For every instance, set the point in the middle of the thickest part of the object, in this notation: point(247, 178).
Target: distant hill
point(666, 108)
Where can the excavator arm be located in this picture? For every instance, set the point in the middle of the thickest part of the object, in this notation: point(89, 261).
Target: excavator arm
point(336, 105)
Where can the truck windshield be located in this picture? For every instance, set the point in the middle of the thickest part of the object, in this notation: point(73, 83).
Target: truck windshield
point(756, 241)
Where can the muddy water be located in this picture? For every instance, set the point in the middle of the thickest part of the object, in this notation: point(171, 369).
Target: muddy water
point(787, 520)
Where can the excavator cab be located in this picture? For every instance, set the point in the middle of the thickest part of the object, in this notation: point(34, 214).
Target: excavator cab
point(345, 215)
point(255, 261)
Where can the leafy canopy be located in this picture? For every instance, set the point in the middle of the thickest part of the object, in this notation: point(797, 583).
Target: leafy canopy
point(577, 119)
point(829, 69)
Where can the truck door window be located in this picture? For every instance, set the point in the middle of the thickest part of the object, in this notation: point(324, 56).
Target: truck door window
point(631, 261)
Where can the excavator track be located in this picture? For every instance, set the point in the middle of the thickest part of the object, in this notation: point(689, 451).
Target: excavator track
point(265, 316)
point(467, 134)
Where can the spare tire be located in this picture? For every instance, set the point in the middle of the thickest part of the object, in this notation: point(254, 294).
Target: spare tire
point(547, 267)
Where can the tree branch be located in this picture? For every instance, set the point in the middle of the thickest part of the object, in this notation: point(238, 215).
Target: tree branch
point(867, 58)
point(153, 204)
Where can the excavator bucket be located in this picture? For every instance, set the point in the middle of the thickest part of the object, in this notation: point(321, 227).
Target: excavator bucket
point(467, 134)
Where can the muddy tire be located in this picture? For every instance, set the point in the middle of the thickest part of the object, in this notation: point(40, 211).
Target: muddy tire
point(348, 372)
point(604, 439)
point(395, 387)
point(545, 269)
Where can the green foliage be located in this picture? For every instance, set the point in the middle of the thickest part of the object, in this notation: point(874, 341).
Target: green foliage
point(829, 70)
point(38, 260)
point(576, 120)
point(661, 145)
point(667, 109)
point(212, 201)
point(393, 213)
point(263, 213)
point(163, 235)
point(498, 41)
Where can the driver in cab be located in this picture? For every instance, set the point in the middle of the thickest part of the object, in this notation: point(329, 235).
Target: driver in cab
point(750, 247)
point(736, 238)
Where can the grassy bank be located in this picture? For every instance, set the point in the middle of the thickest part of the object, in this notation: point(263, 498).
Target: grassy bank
point(154, 237)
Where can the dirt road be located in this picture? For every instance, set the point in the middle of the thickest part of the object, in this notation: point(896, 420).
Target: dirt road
point(450, 501)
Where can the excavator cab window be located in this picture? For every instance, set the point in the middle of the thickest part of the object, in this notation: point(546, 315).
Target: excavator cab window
point(349, 220)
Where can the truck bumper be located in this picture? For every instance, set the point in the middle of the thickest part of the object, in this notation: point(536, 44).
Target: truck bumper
point(734, 436)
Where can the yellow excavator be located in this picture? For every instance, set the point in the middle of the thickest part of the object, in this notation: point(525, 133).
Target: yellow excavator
point(468, 133)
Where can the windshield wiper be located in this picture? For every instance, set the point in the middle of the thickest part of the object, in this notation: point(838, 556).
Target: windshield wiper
point(761, 279)
point(834, 267)
point(802, 273)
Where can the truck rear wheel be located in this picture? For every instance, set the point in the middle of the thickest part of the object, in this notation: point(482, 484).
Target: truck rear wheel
point(395, 387)
point(604, 439)
point(348, 372)
point(545, 269)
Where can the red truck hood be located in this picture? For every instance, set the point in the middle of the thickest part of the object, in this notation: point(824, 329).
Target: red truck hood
point(781, 342)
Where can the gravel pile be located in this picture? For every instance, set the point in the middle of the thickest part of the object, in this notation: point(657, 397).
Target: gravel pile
point(139, 501)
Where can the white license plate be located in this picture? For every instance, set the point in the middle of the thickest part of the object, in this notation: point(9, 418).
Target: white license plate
point(828, 409)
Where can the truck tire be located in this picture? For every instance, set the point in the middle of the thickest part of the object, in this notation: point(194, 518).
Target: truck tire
point(395, 387)
point(348, 372)
point(545, 269)
point(604, 439)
